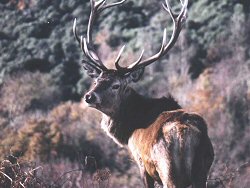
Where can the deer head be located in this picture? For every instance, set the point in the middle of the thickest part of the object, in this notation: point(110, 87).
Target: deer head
point(110, 86)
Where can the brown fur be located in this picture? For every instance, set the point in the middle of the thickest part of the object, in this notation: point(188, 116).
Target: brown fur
point(144, 139)
point(173, 127)
point(170, 145)
point(159, 133)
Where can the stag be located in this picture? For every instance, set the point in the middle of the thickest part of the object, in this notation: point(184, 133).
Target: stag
point(171, 146)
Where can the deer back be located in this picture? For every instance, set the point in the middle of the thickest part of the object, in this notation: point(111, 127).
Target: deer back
point(174, 136)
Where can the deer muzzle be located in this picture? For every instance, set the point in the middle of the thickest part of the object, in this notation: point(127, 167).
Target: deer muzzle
point(91, 99)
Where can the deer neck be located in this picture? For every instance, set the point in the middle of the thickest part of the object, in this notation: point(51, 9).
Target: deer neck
point(135, 112)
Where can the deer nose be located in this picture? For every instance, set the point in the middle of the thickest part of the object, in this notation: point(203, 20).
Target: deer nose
point(90, 98)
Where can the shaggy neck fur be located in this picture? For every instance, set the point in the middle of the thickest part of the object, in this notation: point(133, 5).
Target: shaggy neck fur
point(136, 111)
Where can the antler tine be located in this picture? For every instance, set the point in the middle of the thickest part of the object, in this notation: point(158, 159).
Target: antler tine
point(137, 62)
point(113, 4)
point(74, 31)
point(165, 47)
point(120, 68)
point(118, 58)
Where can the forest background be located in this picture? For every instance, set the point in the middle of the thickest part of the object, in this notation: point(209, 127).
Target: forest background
point(48, 137)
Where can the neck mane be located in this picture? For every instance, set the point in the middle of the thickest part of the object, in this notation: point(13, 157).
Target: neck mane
point(136, 111)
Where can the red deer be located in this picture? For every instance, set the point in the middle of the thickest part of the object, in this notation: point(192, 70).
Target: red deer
point(170, 145)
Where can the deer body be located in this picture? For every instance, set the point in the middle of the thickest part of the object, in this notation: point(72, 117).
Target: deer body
point(174, 150)
point(170, 146)
point(166, 142)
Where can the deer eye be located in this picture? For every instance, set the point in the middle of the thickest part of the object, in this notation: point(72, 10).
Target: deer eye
point(115, 86)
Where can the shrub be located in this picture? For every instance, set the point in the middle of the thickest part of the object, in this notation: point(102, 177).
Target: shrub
point(28, 91)
point(38, 139)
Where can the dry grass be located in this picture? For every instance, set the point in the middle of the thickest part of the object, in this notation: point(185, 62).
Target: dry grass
point(16, 173)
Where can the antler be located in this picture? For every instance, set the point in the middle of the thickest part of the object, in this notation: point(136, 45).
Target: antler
point(87, 44)
point(178, 20)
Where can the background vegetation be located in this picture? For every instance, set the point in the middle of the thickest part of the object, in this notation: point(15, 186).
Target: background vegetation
point(45, 125)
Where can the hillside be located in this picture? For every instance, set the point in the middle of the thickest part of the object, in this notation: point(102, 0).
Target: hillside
point(46, 126)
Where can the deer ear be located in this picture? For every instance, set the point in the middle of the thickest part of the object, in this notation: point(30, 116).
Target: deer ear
point(92, 71)
point(135, 75)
